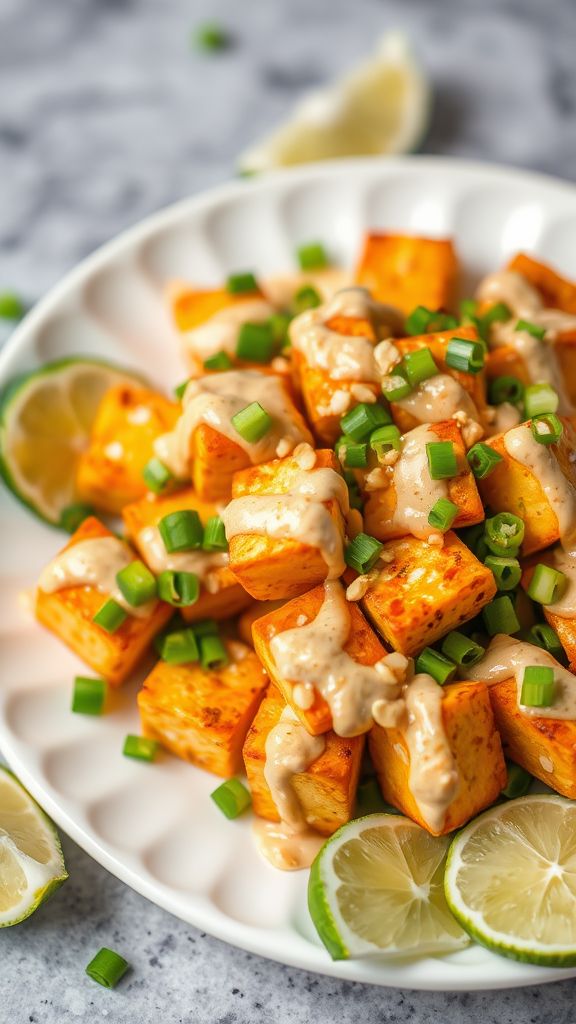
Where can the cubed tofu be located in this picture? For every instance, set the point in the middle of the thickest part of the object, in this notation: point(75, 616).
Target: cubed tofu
point(505, 361)
point(247, 619)
point(327, 400)
point(475, 744)
point(69, 614)
point(362, 645)
point(409, 271)
point(203, 716)
point(221, 596)
point(424, 591)
point(555, 291)
point(565, 628)
point(326, 790)
point(129, 420)
point(380, 505)
point(513, 487)
point(545, 747)
point(270, 568)
point(193, 307)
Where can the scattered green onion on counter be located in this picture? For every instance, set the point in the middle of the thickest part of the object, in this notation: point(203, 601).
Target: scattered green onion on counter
point(211, 37)
point(107, 968)
point(312, 256)
point(11, 306)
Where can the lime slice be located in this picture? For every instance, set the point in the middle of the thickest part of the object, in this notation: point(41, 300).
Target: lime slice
point(45, 421)
point(31, 862)
point(380, 107)
point(511, 880)
point(376, 888)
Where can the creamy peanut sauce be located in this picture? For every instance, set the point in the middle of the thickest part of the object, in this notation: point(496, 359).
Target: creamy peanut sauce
point(506, 658)
point(564, 561)
point(416, 491)
point(433, 778)
point(299, 514)
point(541, 461)
point(93, 563)
point(203, 563)
point(506, 416)
point(214, 400)
point(443, 398)
point(220, 332)
point(343, 357)
point(281, 288)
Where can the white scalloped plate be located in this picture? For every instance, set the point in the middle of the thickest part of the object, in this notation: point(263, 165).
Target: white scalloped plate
point(155, 826)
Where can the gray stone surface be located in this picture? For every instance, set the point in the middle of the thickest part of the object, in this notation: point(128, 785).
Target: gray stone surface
point(106, 114)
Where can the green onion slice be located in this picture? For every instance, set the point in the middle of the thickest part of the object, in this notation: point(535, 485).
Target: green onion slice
point(107, 967)
point(219, 361)
point(181, 531)
point(530, 328)
point(464, 355)
point(518, 782)
point(442, 462)
point(483, 460)
point(206, 627)
point(256, 343)
point(181, 388)
point(211, 37)
point(437, 665)
point(237, 284)
point(504, 533)
point(136, 583)
point(384, 439)
point(546, 429)
point(363, 552)
point(419, 366)
point(179, 647)
point(140, 747)
point(363, 419)
point(279, 324)
point(540, 398)
point(178, 588)
point(500, 616)
point(356, 456)
point(89, 695)
point(215, 535)
point(427, 321)
point(213, 654)
point(537, 686)
point(156, 476)
point(232, 798)
point(442, 514)
point(312, 256)
point(505, 389)
point(461, 649)
point(110, 616)
point(252, 422)
point(305, 298)
point(547, 584)
point(542, 635)
point(395, 387)
point(507, 571)
point(74, 515)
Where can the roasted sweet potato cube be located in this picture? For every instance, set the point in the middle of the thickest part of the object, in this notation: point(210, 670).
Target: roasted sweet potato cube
point(69, 613)
point(408, 271)
point(203, 716)
point(513, 487)
point(424, 591)
point(362, 645)
point(476, 748)
point(267, 567)
point(326, 790)
point(128, 421)
point(221, 596)
point(556, 291)
point(380, 504)
point(545, 747)
point(327, 400)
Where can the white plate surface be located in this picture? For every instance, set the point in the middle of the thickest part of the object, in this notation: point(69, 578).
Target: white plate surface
point(155, 826)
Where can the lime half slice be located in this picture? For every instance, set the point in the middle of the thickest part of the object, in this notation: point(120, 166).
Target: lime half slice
point(376, 888)
point(511, 880)
point(31, 861)
point(45, 422)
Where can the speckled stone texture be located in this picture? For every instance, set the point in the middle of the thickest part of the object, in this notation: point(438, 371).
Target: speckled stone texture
point(106, 114)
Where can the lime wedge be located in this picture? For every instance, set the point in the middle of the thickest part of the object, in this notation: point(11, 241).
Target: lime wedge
point(45, 421)
point(380, 107)
point(31, 862)
point(511, 880)
point(376, 889)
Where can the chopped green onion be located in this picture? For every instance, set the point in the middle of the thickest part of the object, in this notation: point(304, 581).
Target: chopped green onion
point(540, 398)
point(213, 654)
point(110, 616)
point(237, 284)
point(518, 782)
point(442, 514)
point(547, 584)
point(178, 647)
point(140, 747)
point(395, 387)
point(178, 588)
point(219, 361)
point(546, 429)
point(11, 306)
point(507, 571)
point(468, 311)
point(504, 533)
point(279, 324)
point(533, 329)
point(437, 665)
point(505, 389)
point(215, 535)
point(232, 798)
point(363, 552)
point(356, 456)
point(107, 967)
point(206, 627)
point(500, 616)
point(74, 515)
point(461, 649)
point(427, 321)
point(442, 462)
point(181, 388)
point(419, 366)
point(305, 298)
point(156, 476)
point(496, 314)
point(483, 460)
point(384, 439)
point(312, 256)
point(89, 695)
point(363, 419)
point(252, 422)
point(255, 343)
point(211, 37)
point(136, 583)
point(542, 635)
point(537, 686)
point(181, 531)
point(464, 355)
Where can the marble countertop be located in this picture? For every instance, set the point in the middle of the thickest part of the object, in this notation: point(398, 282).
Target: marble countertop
point(107, 114)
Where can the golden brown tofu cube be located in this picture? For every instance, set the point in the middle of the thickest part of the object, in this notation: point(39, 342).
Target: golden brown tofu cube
point(555, 291)
point(221, 596)
point(423, 591)
point(513, 487)
point(408, 271)
point(270, 568)
point(128, 421)
point(256, 611)
point(69, 614)
point(203, 716)
point(362, 645)
point(192, 307)
point(475, 744)
point(380, 505)
point(326, 790)
point(545, 747)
